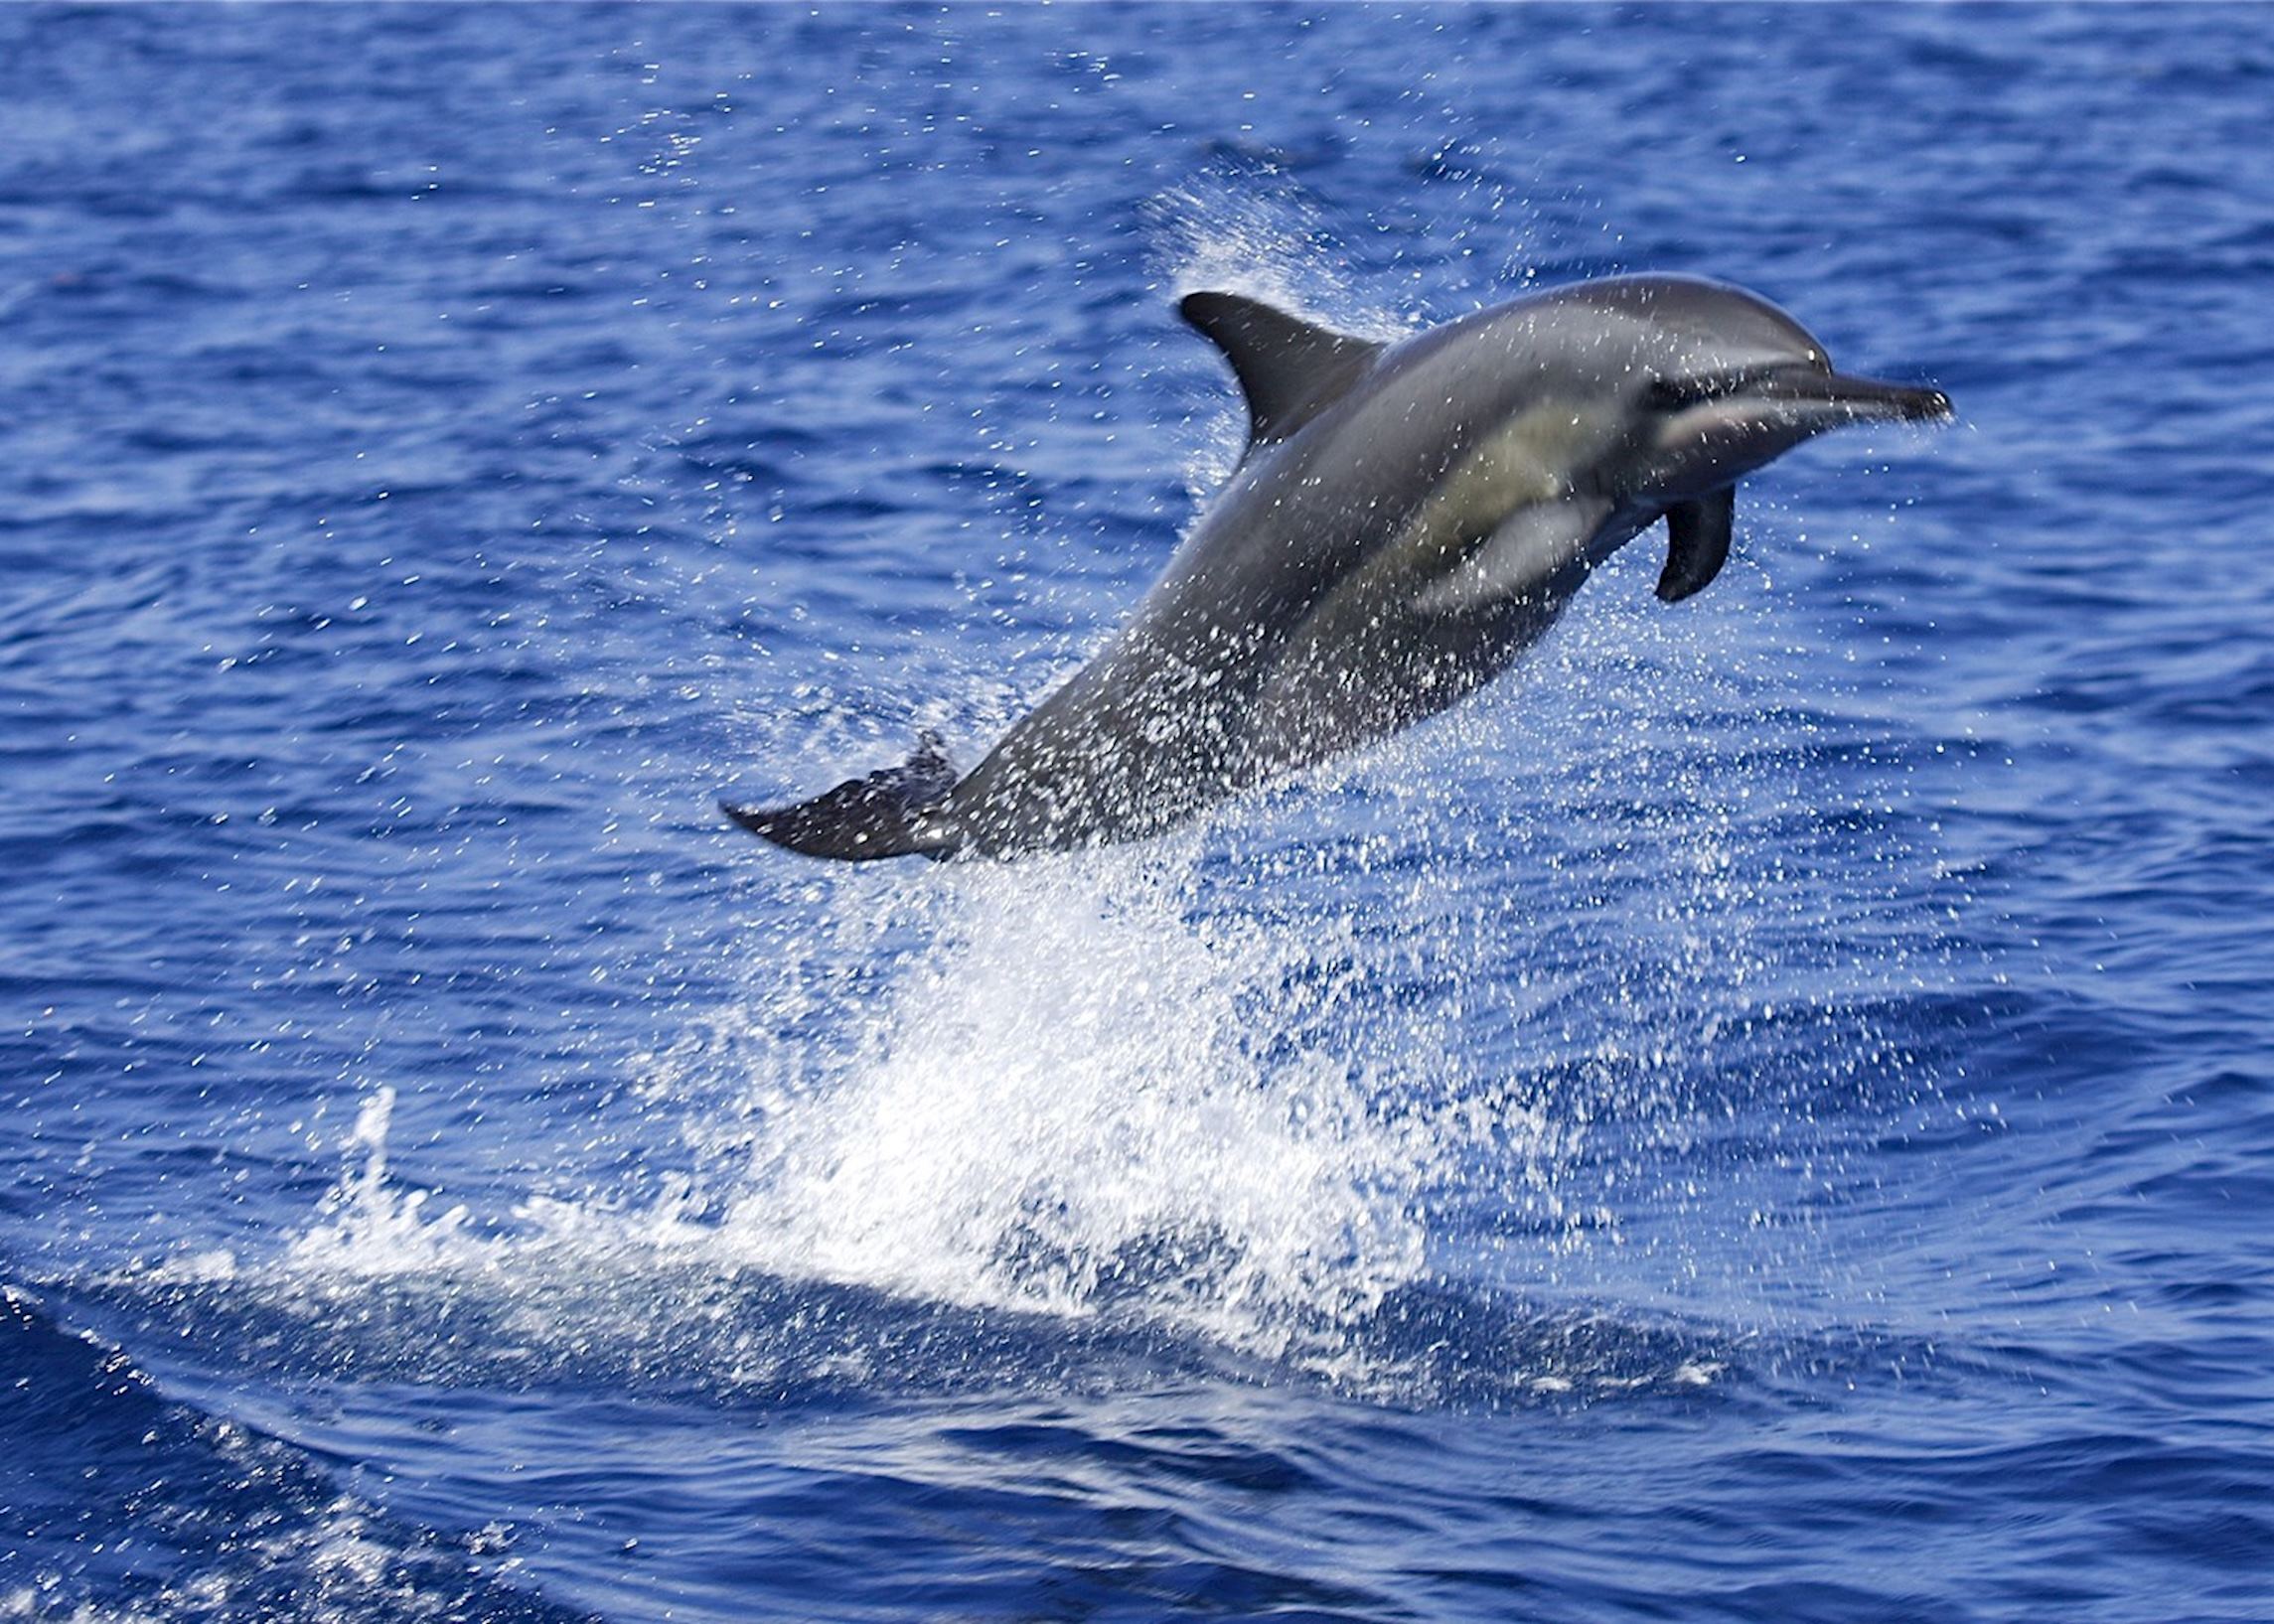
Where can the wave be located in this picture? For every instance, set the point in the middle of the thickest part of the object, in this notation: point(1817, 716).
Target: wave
point(121, 1505)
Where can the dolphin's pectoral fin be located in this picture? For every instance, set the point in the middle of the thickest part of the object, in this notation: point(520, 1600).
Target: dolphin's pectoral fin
point(1697, 543)
point(1288, 369)
point(886, 815)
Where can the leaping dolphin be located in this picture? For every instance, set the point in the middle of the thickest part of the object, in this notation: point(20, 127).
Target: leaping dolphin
point(1407, 519)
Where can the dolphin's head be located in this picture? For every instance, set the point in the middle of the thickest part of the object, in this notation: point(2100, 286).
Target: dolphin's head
point(1719, 381)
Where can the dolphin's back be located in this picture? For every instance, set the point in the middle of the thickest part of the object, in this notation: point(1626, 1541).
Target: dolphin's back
point(1223, 675)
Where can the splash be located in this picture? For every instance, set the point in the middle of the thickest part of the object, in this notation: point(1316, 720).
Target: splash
point(368, 1225)
point(1077, 1098)
point(1080, 1097)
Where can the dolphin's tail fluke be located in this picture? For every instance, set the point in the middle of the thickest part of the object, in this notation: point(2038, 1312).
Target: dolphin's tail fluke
point(893, 813)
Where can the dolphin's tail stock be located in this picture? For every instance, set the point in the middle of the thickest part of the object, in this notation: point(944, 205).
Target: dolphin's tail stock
point(888, 814)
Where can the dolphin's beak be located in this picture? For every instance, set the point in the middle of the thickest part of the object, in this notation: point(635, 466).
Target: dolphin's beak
point(1719, 440)
point(1822, 400)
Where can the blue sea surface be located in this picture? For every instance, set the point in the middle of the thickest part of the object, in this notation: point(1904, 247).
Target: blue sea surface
point(1765, 1113)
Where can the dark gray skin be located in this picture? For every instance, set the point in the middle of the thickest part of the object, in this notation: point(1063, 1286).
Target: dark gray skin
point(1407, 520)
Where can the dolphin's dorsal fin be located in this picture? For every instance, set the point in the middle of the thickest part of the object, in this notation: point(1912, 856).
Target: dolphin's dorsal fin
point(1697, 543)
point(1288, 369)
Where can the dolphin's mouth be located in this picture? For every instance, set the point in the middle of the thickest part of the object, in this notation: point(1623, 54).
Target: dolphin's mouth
point(1754, 417)
point(1827, 399)
point(1760, 415)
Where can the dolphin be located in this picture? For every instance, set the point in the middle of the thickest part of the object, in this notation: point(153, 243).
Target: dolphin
point(1408, 518)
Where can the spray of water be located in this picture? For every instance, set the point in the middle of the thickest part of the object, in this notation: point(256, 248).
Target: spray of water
point(1078, 1098)
point(367, 1221)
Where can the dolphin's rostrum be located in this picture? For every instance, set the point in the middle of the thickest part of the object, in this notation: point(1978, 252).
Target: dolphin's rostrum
point(1408, 517)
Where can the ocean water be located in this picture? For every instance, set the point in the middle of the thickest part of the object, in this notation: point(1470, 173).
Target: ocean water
point(1766, 1114)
